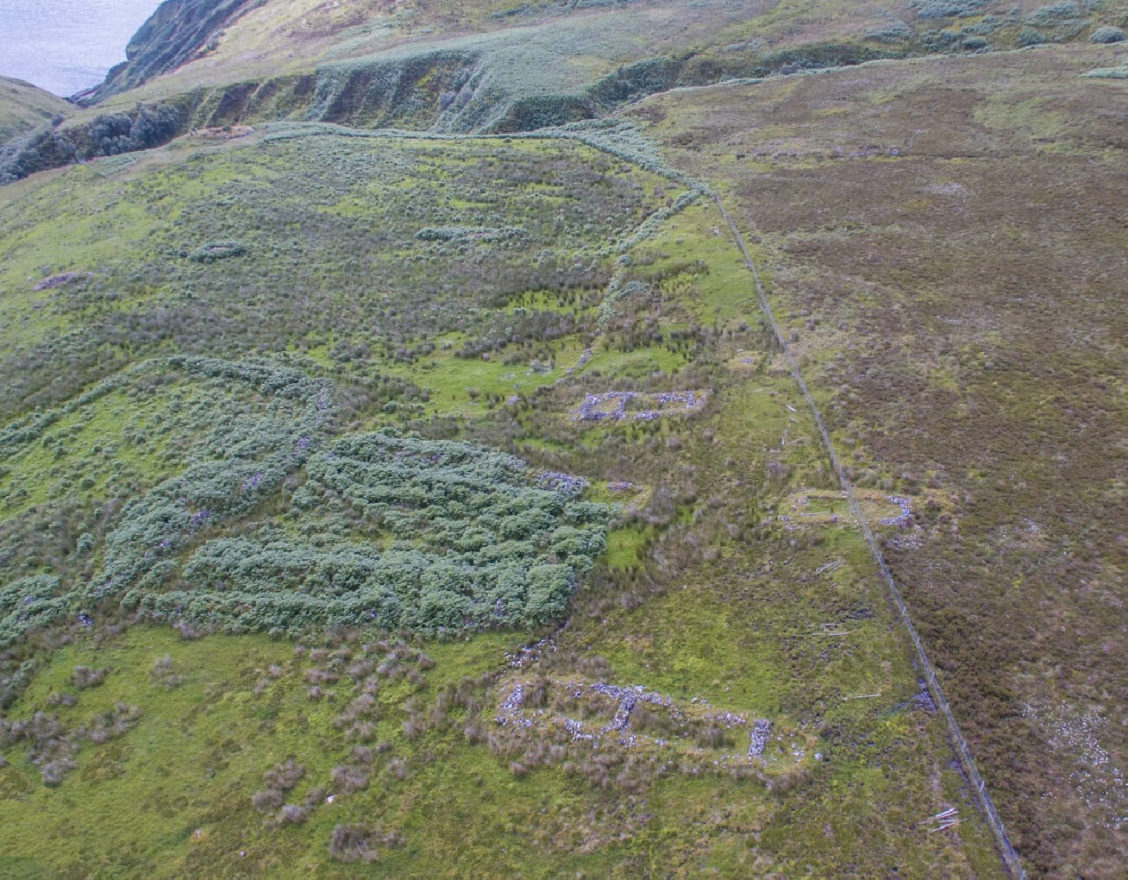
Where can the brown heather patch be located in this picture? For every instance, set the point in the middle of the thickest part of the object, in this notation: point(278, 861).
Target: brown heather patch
point(964, 222)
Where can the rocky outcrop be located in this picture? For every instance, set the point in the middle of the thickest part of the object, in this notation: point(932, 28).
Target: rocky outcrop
point(176, 33)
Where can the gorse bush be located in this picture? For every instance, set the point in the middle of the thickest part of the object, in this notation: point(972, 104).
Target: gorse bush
point(946, 8)
point(382, 530)
point(216, 250)
point(470, 539)
point(1107, 34)
point(251, 458)
point(237, 463)
point(468, 233)
point(360, 843)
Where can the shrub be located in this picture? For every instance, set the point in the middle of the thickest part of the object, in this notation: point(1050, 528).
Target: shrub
point(316, 796)
point(284, 776)
point(468, 233)
point(474, 532)
point(397, 769)
point(292, 814)
point(1107, 34)
point(947, 8)
point(54, 771)
point(891, 32)
point(356, 843)
point(349, 777)
point(266, 800)
point(105, 135)
point(110, 725)
point(217, 250)
point(84, 677)
point(164, 675)
point(1053, 13)
point(360, 755)
point(187, 631)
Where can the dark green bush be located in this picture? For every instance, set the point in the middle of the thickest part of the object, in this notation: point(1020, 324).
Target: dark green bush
point(946, 8)
point(105, 135)
point(1107, 34)
point(216, 250)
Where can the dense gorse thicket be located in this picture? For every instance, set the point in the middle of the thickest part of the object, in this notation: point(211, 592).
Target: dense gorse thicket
point(400, 532)
point(374, 528)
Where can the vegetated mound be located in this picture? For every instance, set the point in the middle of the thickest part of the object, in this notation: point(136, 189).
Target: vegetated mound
point(24, 107)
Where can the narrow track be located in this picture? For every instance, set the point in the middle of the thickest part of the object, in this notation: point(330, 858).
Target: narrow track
point(959, 745)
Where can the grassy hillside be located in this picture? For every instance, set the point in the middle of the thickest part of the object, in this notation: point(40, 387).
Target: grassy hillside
point(24, 107)
point(524, 295)
point(289, 36)
point(945, 242)
point(501, 66)
point(399, 476)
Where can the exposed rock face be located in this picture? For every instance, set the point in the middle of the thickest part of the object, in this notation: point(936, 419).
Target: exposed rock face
point(173, 35)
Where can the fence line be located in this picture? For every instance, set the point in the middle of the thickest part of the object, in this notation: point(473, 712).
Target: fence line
point(959, 744)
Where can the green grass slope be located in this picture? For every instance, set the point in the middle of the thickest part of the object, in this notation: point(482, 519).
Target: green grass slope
point(23, 107)
point(945, 246)
point(309, 372)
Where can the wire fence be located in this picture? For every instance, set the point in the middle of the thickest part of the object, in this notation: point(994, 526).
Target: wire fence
point(959, 744)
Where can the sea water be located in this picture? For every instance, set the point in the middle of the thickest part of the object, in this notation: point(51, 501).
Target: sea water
point(66, 46)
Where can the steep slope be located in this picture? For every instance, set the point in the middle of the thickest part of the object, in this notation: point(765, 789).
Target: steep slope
point(500, 66)
point(176, 33)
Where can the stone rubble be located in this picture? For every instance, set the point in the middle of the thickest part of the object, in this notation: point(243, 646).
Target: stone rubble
point(758, 737)
point(595, 406)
